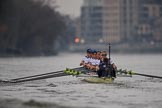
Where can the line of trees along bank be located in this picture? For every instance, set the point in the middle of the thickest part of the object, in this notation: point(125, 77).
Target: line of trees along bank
point(29, 27)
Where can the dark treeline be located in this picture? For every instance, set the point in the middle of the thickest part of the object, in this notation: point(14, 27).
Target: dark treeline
point(29, 27)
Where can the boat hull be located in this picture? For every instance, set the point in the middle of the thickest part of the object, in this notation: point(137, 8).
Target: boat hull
point(99, 80)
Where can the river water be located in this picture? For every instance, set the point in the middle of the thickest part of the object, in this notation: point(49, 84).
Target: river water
point(125, 92)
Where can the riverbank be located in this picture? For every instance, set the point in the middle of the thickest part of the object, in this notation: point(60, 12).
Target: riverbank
point(26, 55)
point(120, 48)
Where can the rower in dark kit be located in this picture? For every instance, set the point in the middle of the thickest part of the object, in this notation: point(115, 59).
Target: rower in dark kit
point(106, 68)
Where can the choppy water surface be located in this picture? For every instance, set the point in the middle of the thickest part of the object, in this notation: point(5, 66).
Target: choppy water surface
point(70, 91)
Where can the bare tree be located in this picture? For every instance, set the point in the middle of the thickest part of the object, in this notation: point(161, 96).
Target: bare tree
point(32, 27)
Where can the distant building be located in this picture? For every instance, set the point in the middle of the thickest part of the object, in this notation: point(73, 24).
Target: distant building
point(150, 14)
point(91, 20)
point(111, 21)
point(120, 20)
point(108, 20)
point(157, 34)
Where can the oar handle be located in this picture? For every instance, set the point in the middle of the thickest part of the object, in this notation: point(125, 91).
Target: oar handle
point(72, 71)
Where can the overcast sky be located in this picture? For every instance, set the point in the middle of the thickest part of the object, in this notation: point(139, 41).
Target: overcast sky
point(70, 7)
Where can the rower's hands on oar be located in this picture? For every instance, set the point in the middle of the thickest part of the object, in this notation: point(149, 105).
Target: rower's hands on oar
point(72, 72)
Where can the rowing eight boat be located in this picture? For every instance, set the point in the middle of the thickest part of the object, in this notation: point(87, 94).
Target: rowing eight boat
point(78, 72)
point(89, 77)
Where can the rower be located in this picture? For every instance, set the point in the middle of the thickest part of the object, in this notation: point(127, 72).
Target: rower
point(86, 59)
point(106, 68)
point(94, 61)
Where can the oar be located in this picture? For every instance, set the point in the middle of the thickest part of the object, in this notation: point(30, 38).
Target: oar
point(109, 53)
point(61, 73)
point(41, 74)
point(134, 73)
point(38, 78)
